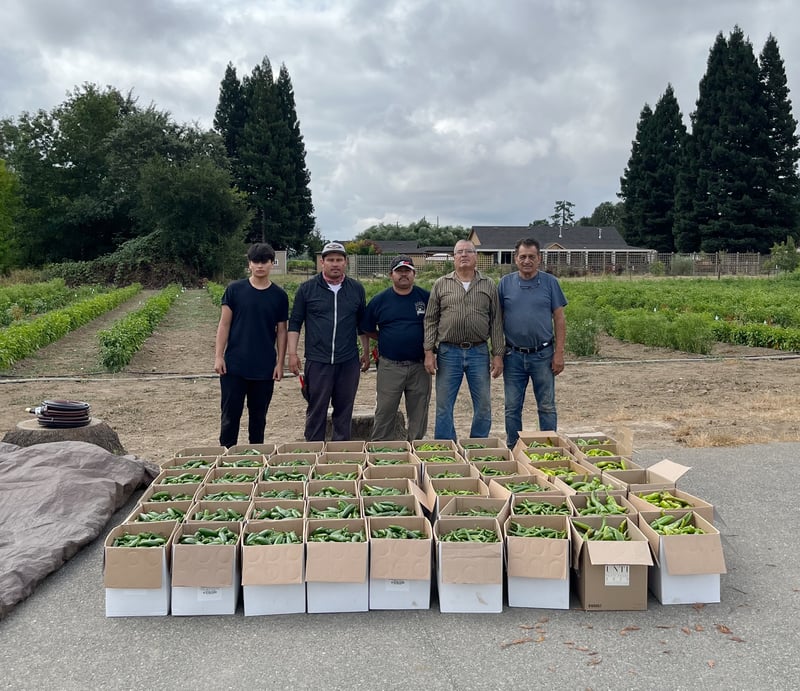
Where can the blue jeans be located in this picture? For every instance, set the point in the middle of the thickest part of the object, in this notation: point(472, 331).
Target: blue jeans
point(452, 363)
point(517, 369)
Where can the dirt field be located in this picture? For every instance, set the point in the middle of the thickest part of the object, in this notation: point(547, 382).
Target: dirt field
point(168, 398)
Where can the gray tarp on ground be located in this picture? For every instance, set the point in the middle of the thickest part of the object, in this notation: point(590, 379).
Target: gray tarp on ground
point(54, 499)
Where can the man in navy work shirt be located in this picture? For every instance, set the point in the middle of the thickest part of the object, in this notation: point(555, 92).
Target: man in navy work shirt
point(252, 323)
point(330, 306)
point(535, 329)
point(396, 317)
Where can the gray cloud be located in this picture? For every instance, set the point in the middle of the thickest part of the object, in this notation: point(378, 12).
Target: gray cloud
point(472, 113)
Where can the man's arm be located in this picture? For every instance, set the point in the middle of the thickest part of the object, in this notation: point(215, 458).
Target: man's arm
point(560, 332)
point(221, 343)
point(281, 339)
point(432, 313)
point(292, 339)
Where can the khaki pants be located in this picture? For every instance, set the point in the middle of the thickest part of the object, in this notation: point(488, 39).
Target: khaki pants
point(395, 379)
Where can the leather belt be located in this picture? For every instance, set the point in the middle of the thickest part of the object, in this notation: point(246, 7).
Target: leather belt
point(527, 351)
point(465, 345)
point(402, 363)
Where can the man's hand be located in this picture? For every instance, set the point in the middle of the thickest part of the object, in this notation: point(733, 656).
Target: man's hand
point(365, 360)
point(219, 365)
point(497, 366)
point(277, 373)
point(294, 363)
point(430, 362)
point(557, 365)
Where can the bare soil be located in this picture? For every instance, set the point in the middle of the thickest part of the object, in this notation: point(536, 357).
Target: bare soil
point(168, 397)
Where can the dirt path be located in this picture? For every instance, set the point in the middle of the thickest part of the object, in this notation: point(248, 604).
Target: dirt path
point(168, 398)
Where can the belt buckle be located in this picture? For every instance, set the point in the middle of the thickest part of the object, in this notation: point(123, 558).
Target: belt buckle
point(465, 345)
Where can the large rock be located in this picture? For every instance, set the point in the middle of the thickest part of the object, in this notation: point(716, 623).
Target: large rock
point(364, 419)
point(29, 432)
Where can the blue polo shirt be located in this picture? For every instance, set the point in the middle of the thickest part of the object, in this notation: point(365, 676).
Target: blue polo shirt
point(399, 321)
point(528, 308)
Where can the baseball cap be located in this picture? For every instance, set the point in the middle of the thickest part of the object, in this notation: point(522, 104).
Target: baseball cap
point(334, 247)
point(403, 260)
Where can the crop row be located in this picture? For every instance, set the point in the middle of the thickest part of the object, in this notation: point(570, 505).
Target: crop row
point(26, 299)
point(120, 343)
point(21, 340)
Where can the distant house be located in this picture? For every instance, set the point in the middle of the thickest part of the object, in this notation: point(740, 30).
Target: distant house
point(569, 249)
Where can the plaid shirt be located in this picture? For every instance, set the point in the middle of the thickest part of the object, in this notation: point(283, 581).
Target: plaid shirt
point(455, 315)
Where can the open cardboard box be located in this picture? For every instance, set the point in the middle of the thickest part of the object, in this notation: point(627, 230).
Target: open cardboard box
point(245, 449)
point(336, 572)
point(205, 578)
point(444, 470)
point(313, 487)
point(190, 463)
point(300, 447)
point(159, 507)
point(538, 567)
point(610, 575)
point(176, 492)
point(262, 489)
point(699, 506)
point(687, 567)
point(485, 443)
point(258, 506)
point(273, 578)
point(519, 501)
point(510, 485)
point(326, 472)
point(461, 507)
point(137, 578)
point(232, 461)
point(579, 502)
point(200, 451)
point(469, 575)
point(400, 570)
point(411, 471)
point(437, 490)
point(351, 458)
point(392, 446)
point(399, 485)
point(662, 475)
point(410, 502)
point(225, 491)
point(352, 446)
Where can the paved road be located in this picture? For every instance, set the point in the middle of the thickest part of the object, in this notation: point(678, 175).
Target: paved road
point(60, 639)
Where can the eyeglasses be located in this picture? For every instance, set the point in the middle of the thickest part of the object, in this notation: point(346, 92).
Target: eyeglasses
point(465, 252)
point(528, 257)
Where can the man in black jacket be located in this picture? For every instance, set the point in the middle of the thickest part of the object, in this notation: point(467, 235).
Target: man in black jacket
point(331, 306)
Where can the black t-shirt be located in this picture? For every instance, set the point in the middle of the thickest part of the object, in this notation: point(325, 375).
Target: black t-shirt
point(256, 314)
point(399, 321)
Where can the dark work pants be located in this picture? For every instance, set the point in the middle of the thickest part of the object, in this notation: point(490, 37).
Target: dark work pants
point(234, 390)
point(333, 385)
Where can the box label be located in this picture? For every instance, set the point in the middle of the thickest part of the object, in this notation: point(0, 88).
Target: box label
point(209, 594)
point(397, 585)
point(617, 575)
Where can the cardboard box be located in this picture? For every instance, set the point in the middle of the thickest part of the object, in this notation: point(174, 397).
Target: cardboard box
point(556, 454)
point(233, 491)
point(610, 484)
point(538, 568)
point(278, 470)
point(339, 458)
point(469, 575)
point(519, 502)
point(699, 506)
point(181, 507)
point(407, 501)
point(659, 476)
point(190, 463)
point(175, 492)
point(279, 490)
point(400, 570)
point(410, 471)
point(314, 504)
point(336, 471)
point(444, 470)
point(137, 578)
point(258, 506)
point(596, 463)
point(463, 445)
point(394, 446)
point(498, 469)
point(580, 502)
point(301, 447)
point(489, 455)
point(610, 575)
point(353, 446)
point(444, 445)
point(200, 451)
point(438, 490)
point(580, 442)
point(439, 457)
point(459, 507)
point(242, 461)
point(221, 476)
point(313, 487)
point(391, 459)
point(399, 486)
point(687, 567)
point(199, 507)
point(205, 578)
point(541, 439)
point(173, 477)
point(336, 572)
point(521, 485)
point(273, 576)
point(247, 449)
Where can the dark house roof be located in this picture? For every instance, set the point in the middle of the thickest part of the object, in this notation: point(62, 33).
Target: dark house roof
point(494, 238)
point(393, 247)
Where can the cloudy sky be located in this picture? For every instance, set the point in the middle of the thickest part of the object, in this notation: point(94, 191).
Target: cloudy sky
point(465, 111)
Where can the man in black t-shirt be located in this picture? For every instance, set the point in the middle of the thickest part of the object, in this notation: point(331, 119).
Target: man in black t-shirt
point(395, 317)
point(252, 325)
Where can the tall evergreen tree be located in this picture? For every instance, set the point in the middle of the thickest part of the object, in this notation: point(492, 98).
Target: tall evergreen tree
point(784, 186)
point(230, 115)
point(738, 176)
point(632, 187)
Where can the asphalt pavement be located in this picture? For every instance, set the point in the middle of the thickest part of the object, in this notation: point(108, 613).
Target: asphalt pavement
point(59, 638)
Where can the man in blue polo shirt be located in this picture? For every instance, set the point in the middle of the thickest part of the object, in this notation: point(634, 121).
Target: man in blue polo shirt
point(395, 317)
point(535, 329)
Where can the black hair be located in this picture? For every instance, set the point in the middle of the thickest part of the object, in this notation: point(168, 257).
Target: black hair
point(260, 253)
point(528, 242)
